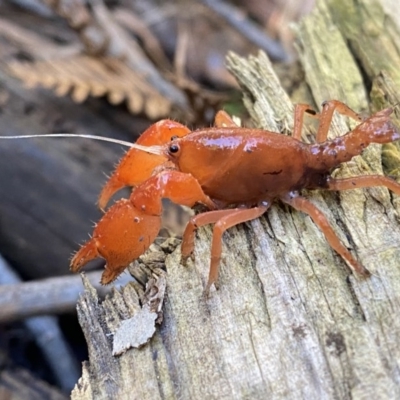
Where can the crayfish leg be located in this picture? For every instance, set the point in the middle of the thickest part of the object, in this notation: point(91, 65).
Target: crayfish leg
point(235, 217)
point(224, 219)
point(364, 181)
point(325, 118)
point(224, 120)
point(195, 222)
point(304, 205)
point(137, 166)
point(121, 236)
point(299, 111)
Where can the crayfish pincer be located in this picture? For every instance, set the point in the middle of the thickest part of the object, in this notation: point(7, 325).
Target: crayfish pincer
point(236, 173)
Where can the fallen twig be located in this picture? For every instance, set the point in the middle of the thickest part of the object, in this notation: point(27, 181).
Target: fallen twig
point(252, 32)
point(43, 49)
point(19, 300)
point(102, 35)
point(151, 44)
point(46, 332)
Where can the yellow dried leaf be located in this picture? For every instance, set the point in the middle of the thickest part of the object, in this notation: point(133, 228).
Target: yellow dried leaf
point(98, 90)
point(116, 97)
point(62, 88)
point(135, 103)
point(80, 93)
point(85, 76)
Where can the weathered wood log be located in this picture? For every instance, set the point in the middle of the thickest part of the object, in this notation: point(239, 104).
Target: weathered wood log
point(289, 320)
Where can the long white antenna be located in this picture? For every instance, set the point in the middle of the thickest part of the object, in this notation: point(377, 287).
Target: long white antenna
point(158, 150)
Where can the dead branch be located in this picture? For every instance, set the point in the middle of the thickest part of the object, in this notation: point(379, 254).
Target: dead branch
point(252, 32)
point(44, 329)
point(19, 300)
point(137, 26)
point(29, 41)
point(103, 36)
point(16, 384)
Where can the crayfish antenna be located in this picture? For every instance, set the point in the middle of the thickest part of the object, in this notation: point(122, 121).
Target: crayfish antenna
point(127, 173)
point(158, 150)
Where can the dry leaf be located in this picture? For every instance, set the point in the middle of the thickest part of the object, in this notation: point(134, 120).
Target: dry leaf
point(85, 76)
point(135, 331)
point(138, 330)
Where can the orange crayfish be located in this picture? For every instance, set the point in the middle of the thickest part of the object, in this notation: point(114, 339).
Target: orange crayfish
point(236, 173)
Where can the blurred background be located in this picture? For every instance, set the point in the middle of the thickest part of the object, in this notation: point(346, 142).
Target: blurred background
point(111, 69)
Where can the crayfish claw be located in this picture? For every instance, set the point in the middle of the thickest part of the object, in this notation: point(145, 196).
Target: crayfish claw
point(110, 188)
point(111, 274)
point(122, 235)
point(85, 254)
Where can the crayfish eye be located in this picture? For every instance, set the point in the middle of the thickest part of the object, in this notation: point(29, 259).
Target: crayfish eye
point(174, 148)
point(174, 137)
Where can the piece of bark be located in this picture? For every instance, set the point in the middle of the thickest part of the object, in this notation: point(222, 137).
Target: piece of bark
point(289, 320)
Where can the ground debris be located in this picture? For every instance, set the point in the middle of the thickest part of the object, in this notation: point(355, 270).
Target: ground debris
point(138, 330)
point(135, 331)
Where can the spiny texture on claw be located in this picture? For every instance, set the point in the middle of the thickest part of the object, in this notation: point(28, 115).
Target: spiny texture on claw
point(137, 166)
point(122, 235)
